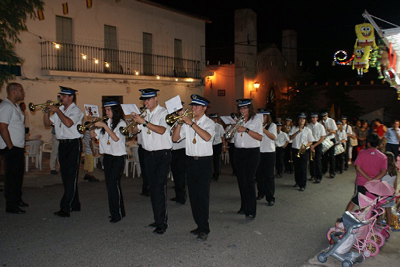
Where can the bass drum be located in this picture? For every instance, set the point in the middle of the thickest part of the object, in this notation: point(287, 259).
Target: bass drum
point(339, 149)
point(326, 144)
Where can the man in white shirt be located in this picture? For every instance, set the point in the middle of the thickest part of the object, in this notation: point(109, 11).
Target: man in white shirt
point(12, 143)
point(319, 134)
point(281, 141)
point(199, 134)
point(219, 146)
point(157, 146)
point(392, 139)
point(349, 132)
point(329, 156)
point(65, 120)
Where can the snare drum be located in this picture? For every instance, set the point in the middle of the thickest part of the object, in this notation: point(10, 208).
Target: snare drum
point(326, 144)
point(339, 149)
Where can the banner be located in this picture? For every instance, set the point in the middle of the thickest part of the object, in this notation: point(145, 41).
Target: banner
point(89, 3)
point(65, 8)
point(40, 14)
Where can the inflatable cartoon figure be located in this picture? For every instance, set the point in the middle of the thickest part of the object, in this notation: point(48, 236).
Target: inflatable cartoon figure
point(361, 59)
point(365, 35)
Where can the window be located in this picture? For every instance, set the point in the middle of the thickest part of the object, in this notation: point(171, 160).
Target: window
point(111, 53)
point(179, 70)
point(65, 53)
point(147, 53)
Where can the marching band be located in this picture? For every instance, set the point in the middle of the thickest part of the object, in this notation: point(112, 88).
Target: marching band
point(190, 144)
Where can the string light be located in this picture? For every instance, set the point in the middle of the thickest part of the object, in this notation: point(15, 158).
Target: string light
point(96, 61)
point(342, 60)
point(57, 46)
point(84, 56)
point(106, 64)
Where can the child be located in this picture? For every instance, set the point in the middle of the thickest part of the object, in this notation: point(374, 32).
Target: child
point(281, 141)
point(89, 160)
point(391, 179)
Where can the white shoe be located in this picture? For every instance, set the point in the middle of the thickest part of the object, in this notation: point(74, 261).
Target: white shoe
point(350, 162)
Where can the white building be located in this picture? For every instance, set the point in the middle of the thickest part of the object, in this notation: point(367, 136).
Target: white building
point(111, 49)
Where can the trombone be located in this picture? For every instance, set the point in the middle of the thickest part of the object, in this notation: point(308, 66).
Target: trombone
point(90, 126)
point(125, 130)
point(172, 119)
point(43, 106)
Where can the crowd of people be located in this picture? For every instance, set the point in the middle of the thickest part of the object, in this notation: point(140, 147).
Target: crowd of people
point(260, 148)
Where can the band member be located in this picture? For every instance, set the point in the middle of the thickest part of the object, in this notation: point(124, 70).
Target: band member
point(302, 138)
point(318, 131)
point(265, 174)
point(219, 146)
point(12, 144)
point(199, 135)
point(281, 142)
point(247, 156)
point(329, 156)
point(288, 158)
point(65, 120)
point(112, 146)
point(157, 146)
point(349, 132)
point(231, 144)
point(392, 139)
point(178, 168)
point(341, 139)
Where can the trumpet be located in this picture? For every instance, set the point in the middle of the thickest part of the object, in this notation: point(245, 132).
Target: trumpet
point(172, 119)
point(32, 107)
point(231, 132)
point(125, 130)
point(312, 155)
point(90, 126)
point(302, 150)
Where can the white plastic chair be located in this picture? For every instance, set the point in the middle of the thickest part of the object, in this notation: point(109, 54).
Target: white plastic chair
point(136, 162)
point(33, 151)
point(128, 161)
point(226, 157)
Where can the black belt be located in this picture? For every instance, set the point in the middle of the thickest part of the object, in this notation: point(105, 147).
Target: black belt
point(200, 158)
point(63, 141)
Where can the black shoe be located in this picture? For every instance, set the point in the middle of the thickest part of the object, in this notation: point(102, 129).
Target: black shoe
point(159, 231)
point(301, 189)
point(153, 224)
point(86, 177)
point(195, 231)
point(54, 172)
point(15, 210)
point(317, 181)
point(332, 175)
point(202, 237)
point(311, 178)
point(173, 199)
point(22, 204)
point(250, 217)
point(61, 213)
point(259, 197)
point(182, 202)
point(346, 169)
point(92, 179)
point(271, 203)
point(240, 211)
point(114, 220)
point(278, 176)
point(76, 209)
point(296, 185)
point(146, 194)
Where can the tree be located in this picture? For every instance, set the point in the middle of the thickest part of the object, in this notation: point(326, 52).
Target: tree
point(13, 17)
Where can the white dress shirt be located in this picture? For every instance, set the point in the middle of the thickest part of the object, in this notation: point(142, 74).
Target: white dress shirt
point(13, 116)
point(329, 124)
point(317, 130)
point(244, 140)
point(153, 141)
point(179, 145)
point(199, 148)
point(347, 128)
point(63, 132)
point(107, 145)
point(267, 144)
point(392, 136)
point(341, 135)
point(302, 138)
point(219, 133)
point(281, 139)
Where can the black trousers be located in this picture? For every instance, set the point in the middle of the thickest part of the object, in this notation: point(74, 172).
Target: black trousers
point(265, 176)
point(346, 155)
point(300, 167)
point(288, 158)
point(329, 157)
point(178, 168)
point(69, 155)
point(339, 162)
point(246, 161)
point(14, 173)
point(394, 148)
point(198, 180)
point(217, 150)
point(231, 152)
point(279, 163)
point(113, 169)
point(316, 164)
point(145, 184)
point(157, 168)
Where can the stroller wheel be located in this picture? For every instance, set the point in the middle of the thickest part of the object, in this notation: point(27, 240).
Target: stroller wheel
point(347, 263)
point(371, 247)
point(379, 239)
point(322, 258)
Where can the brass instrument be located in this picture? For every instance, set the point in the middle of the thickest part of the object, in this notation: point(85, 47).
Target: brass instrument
point(90, 126)
point(172, 119)
point(229, 134)
point(125, 130)
point(302, 150)
point(312, 155)
point(32, 107)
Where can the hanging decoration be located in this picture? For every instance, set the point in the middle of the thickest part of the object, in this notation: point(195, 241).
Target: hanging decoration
point(40, 14)
point(365, 46)
point(65, 8)
point(340, 58)
point(361, 59)
point(89, 3)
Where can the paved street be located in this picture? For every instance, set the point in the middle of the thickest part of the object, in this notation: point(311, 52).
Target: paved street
point(291, 233)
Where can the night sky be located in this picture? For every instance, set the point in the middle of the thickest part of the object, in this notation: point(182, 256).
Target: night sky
point(323, 27)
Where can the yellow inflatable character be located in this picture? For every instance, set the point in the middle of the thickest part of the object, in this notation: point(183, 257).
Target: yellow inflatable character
point(361, 59)
point(365, 35)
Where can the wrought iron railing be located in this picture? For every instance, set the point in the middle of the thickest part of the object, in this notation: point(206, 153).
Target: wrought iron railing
point(82, 58)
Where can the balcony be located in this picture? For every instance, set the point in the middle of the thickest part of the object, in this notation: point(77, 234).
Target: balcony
point(88, 59)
